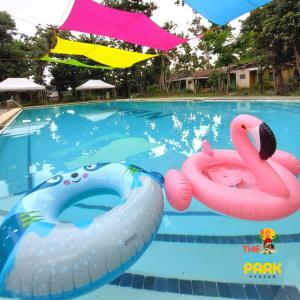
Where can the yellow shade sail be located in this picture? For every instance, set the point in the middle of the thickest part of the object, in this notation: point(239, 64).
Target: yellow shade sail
point(116, 58)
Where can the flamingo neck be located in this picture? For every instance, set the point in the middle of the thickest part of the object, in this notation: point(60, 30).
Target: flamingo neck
point(267, 179)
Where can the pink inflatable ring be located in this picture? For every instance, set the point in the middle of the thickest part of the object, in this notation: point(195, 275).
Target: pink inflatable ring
point(255, 182)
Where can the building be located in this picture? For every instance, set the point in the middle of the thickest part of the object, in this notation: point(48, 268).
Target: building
point(196, 82)
point(245, 76)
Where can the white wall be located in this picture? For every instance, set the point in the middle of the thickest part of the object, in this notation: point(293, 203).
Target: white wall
point(190, 84)
point(243, 83)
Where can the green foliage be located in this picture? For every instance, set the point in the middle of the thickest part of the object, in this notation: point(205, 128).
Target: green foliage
point(132, 170)
point(153, 89)
point(145, 7)
point(215, 79)
point(187, 91)
point(38, 45)
point(135, 79)
point(271, 36)
point(7, 27)
point(65, 76)
point(28, 218)
point(11, 49)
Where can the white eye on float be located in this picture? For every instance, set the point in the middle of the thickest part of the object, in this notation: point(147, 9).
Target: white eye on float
point(54, 179)
point(90, 167)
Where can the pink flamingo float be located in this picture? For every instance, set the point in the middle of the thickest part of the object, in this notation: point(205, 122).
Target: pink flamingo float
point(255, 182)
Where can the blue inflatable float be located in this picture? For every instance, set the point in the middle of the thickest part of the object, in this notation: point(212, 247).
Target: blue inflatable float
point(43, 258)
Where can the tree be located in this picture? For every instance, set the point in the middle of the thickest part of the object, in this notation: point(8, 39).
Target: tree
point(203, 48)
point(133, 5)
point(224, 46)
point(219, 42)
point(13, 52)
point(65, 76)
point(130, 80)
point(215, 43)
point(39, 45)
point(273, 33)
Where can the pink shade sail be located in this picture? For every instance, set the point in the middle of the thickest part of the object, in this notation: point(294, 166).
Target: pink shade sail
point(91, 17)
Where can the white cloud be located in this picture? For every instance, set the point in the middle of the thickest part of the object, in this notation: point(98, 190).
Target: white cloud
point(36, 11)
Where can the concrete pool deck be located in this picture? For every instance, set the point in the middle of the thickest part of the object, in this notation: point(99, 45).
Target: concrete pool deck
point(223, 98)
point(7, 115)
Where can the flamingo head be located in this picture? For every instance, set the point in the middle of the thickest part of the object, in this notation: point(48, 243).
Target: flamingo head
point(261, 133)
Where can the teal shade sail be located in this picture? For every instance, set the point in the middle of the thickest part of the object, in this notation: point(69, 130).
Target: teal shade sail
point(223, 11)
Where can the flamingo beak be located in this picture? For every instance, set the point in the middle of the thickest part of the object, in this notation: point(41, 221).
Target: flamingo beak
point(264, 140)
point(267, 141)
point(254, 131)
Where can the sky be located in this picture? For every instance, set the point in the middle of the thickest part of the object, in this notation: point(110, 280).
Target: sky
point(55, 11)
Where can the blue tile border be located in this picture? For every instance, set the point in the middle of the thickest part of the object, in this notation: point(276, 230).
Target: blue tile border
point(161, 284)
point(278, 293)
point(126, 280)
point(206, 239)
point(198, 288)
point(210, 288)
point(224, 290)
point(292, 292)
point(264, 292)
point(149, 283)
point(227, 290)
point(251, 291)
point(185, 287)
point(166, 213)
point(173, 285)
point(237, 291)
point(137, 281)
point(222, 239)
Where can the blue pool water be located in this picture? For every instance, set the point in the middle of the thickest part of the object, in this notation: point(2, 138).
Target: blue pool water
point(196, 253)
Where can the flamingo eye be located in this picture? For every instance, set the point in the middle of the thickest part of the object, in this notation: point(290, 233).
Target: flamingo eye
point(90, 167)
point(54, 179)
point(243, 126)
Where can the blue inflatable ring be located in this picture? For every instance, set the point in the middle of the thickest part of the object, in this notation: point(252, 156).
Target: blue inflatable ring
point(42, 258)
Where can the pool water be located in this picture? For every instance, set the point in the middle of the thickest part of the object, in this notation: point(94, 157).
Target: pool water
point(198, 253)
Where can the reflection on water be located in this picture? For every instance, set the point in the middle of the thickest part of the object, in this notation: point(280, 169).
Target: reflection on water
point(96, 117)
point(23, 130)
point(156, 136)
point(4, 192)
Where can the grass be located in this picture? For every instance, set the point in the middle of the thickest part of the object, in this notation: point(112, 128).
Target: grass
point(239, 93)
point(184, 94)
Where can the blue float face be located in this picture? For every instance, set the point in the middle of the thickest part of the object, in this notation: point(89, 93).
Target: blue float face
point(33, 228)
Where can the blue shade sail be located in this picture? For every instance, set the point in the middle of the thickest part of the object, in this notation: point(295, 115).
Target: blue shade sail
point(223, 11)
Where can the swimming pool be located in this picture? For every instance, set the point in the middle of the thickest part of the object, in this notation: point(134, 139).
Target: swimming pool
point(196, 253)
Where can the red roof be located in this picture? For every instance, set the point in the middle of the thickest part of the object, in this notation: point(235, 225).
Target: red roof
point(201, 74)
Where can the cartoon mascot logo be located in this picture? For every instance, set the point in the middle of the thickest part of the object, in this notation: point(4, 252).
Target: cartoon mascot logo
point(268, 236)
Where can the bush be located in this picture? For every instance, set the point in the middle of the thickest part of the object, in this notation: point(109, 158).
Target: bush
point(153, 89)
point(187, 91)
point(242, 92)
